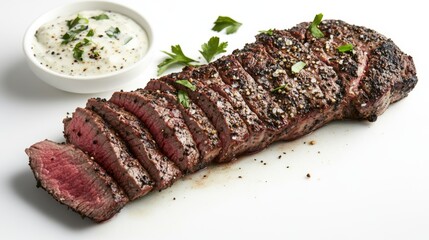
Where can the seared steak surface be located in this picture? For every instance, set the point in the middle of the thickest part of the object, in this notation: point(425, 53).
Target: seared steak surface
point(147, 139)
point(75, 180)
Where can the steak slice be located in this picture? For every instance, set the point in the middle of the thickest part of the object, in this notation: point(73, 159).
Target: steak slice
point(257, 98)
point(231, 129)
point(166, 125)
point(89, 132)
point(203, 132)
point(139, 140)
point(209, 76)
point(73, 179)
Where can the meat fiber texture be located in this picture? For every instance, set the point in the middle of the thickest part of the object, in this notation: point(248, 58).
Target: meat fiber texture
point(145, 139)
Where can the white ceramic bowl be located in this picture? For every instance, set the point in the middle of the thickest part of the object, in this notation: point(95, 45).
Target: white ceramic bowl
point(87, 84)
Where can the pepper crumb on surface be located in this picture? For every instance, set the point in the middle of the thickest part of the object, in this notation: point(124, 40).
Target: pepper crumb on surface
point(308, 175)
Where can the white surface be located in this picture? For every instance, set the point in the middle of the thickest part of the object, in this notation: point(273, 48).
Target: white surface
point(369, 181)
point(95, 83)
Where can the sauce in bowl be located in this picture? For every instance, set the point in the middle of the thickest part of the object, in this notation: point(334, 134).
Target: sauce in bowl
point(89, 43)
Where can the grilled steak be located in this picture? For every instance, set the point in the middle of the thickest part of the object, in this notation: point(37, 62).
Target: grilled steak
point(139, 140)
point(90, 133)
point(231, 129)
point(75, 180)
point(203, 132)
point(241, 103)
point(167, 126)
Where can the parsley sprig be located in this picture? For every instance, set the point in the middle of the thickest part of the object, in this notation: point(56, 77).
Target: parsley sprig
point(345, 48)
point(314, 26)
point(175, 57)
point(223, 22)
point(182, 96)
point(186, 84)
point(269, 32)
point(212, 48)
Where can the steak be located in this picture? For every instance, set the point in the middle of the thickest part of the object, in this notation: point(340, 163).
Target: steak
point(238, 104)
point(203, 132)
point(90, 133)
point(73, 179)
point(167, 126)
point(232, 130)
point(139, 140)
point(209, 76)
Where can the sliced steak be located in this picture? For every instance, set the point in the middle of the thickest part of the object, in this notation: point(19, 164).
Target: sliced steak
point(89, 132)
point(375, 73)
point(209, 76)
point(73, 179)
point(139, 140)
point(203, 132)
point(252, 98)
point(317, 85)
point(231, 129)
point(257, 98)
point(167, 126)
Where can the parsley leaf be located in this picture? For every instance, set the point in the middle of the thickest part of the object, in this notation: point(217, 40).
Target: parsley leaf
point(77, 50)
point(183, 98)
point(78, 20)
point(277, 89)
point(113, 32)
point(76, 26)
point(298, 66)
point(269, 32)
point(176, 57)
point(100, 17)
point(90, 33)
point(315, 31)
point(72, 33)
point(213, 48)
point(187, 84)
point(345, 48)
point(226, 22)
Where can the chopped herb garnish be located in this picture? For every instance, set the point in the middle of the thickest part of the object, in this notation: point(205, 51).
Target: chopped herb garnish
point(72, 33)
point(100, 17)
point(90, 33)
point(268, 32)
point(127, 40)
point(176, 57)
point(77, 50)
point(345, 48)
point(298, 66)
point(187, 84)
point(78, 20)
point(277, 89)
point(113, 32)
point(315, 31)
point(183, 98)
point(226, 22)
point(213, 48)
point(76, 26)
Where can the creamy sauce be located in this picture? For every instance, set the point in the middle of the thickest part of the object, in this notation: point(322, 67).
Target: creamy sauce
point(99, 46)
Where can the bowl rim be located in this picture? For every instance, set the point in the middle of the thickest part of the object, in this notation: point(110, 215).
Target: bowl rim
point(104, 5)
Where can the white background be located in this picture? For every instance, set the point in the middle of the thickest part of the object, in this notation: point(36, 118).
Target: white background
point(369, 181)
